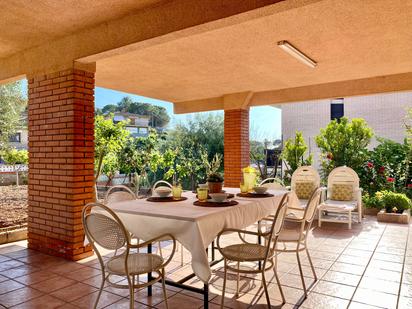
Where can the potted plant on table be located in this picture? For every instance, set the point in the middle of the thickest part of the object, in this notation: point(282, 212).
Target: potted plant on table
point(214, 178)
point(215, 182)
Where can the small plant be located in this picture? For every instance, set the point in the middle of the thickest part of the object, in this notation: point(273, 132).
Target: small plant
point(215, 177)
point(395, 202)
point(212, 167)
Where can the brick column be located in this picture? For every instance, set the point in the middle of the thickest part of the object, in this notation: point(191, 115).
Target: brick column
point(61, 165)
point(236, 145)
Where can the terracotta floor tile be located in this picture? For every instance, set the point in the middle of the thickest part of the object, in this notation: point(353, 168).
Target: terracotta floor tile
point(182, 302)
point(9, 285)
point(380, 285)
point(388, 257)
point(383, 274)
point(407, 278)
point(124, 304)
point(19, 296)
point(334, 289)
point(320, 301)
point(42, 302)
point(35, 277)
point(356, 260)
point(405, 302)
point(10, 264)
point(356, 305)
point(73, 292)
point(375, 298)
point(348, 268)
point(83, 274)
point(342, 278)
point(53, 284)
point(156, 298)
point(88, 301)
point(19, 271)
point(386, 265)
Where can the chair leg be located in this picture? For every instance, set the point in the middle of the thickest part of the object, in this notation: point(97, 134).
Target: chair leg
point(164, 287)
point(279, 285)
point(160, 249)
point(222, 302)
point(265, 288)
point(350, 220)
point(311, 265)
point(100, 291)
point(237, 279)
point(301, 274)
point(320, 218)
point(131, 291)
point(181, 255)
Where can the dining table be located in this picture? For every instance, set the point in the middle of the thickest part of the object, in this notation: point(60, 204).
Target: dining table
point(193, 226)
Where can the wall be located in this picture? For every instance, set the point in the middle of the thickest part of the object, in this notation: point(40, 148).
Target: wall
point(383, 112)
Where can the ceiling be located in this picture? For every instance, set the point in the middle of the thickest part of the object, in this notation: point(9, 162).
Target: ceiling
point(30, 25)
point(349, 40)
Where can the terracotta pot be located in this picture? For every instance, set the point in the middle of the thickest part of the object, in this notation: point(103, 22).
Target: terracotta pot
point(215, 187)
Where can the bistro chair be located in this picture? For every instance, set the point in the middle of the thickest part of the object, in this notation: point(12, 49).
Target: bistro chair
point(119, 193)
point(296, 230)
point(272, 184)
point(104, 229)
point(254, 252)
point(343, 197)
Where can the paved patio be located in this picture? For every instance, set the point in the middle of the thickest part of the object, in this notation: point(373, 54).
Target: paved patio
point(367, 267)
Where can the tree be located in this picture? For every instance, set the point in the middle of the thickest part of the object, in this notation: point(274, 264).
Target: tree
point(294, 154)
point(109, 138)
point(15, 157)
point(344, 142)
point(110, 108)
point(12, 105)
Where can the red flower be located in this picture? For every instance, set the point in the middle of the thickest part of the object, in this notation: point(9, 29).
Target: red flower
point(390, 179)
point(381, 169)
point(370, 164)
point(329, 156)
point(410, 186)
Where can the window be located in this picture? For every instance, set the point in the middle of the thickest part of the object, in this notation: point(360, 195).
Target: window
point(336, 109)
point(15, 138)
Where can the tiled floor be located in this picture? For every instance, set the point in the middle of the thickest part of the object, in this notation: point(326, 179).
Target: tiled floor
point(369, 266)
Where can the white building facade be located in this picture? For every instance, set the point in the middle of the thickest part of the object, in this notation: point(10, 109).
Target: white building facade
point(384, 113)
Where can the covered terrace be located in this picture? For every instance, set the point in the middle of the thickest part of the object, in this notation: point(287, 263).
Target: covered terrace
point(201, 56)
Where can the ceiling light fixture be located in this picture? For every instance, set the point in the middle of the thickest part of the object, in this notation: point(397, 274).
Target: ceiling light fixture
point(293, 51)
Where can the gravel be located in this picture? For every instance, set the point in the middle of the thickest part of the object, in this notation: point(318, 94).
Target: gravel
point(13, 206)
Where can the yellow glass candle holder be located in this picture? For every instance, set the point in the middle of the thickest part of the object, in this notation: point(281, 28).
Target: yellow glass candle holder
point(244, 188)
point(202, 194)
point(177, 192)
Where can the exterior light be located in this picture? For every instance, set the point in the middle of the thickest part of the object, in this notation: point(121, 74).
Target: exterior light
point(293, 51)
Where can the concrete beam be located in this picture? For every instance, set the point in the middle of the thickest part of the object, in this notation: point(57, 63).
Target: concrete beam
point(230, 101)
point(154, 25)
point(357, 87)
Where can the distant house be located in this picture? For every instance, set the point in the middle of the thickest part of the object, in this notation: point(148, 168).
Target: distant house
point(20, 140)
point(384, 113)
point(137, 125)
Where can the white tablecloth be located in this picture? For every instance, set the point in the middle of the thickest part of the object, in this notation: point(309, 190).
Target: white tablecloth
point(193, 226)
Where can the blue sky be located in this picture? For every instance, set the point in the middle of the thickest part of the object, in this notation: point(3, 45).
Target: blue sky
point(265, 121)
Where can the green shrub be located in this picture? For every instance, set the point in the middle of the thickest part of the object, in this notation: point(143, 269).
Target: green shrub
point(395, 202)
point(373, 200)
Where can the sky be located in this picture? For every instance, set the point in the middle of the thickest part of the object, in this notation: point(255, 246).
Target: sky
point(265, 121)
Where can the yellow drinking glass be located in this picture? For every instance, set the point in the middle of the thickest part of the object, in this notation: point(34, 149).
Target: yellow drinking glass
point(177, 192)
point(244, 188)
point(202, 194)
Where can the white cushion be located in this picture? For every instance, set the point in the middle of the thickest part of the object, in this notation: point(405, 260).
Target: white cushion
point(333, 205)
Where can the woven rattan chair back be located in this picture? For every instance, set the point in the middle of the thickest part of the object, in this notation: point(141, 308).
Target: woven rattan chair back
point(277, 225)
point(312, 205)
point(118, 193)
point(103, 227)
point(272, 184)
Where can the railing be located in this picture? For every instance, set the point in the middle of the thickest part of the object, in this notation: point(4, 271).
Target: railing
point(5, 169)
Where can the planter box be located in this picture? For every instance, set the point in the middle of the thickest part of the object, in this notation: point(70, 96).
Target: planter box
point(403, 218)
point(370, 211)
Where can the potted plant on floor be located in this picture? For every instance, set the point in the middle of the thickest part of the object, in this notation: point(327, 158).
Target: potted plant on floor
point(396, 208)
